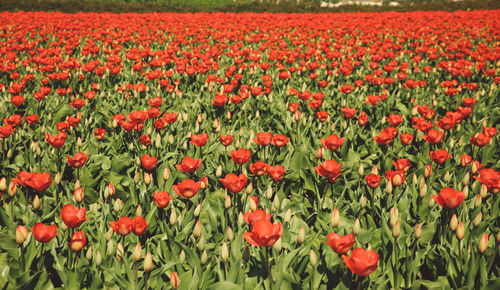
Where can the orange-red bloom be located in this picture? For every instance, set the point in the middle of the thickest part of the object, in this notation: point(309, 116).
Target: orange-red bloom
point(449, 198)
point(264, 233)
point(148, 162)
point(340, 244)
point(162, 198)
point(187, 188)
point(77, 161)
point(329, 169)
point(189, 165)
point(234, 183)
point(362, 262)
point(44, 233)
point(241, 156)
point(139, 225)
point(72, 216)
point(78, 241)
point(199, 140)
point(257, 215)
point(123, 226)
point(332, 142)
point(276, 172)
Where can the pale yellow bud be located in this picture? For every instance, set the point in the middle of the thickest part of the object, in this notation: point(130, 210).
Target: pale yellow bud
point(483, 243)
point(335, 217)
point(478, 219)
point(197, 230)
point(224, 252)
point(453, 222)
point(313, 259)
point(148, 262)
point(302, 235)
point(137, 253)
point(460, 231)
point(356, 227)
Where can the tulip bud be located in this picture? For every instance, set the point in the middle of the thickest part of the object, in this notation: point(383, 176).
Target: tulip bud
point(173, 217)
point(111, 189)
point(356, 227)
point(452, 143)
point(170, 139)
point(227, 201)
point(147, 178)
point(393, 216)
point(77, 184)
point(229, 234)
point(302, 235)
point(131, 146)
point(137, 177)
point(119, 251)
point(197, 230)
point(3, 184)
point(466, 179)
point(199, 119)
point(431, 202)
point(375, 170)
point(251, 204)
point(174, 280)
point(361, 169)
point(197, 210)
point(466, 191)
point(396, 230)
point(21, 234)
point(269, 192)
point(428, 170)
point(478, 201)
point(453, 222)
point(98, 258)
point(182, 256)
point(388, 187)
point(117, 207)
point(36, 202)
point(423, 190)
point(229, 115)
point(414, 179)
point(218, 172)
point(313, 259)
point(447, 176)
point(241, 219)
point(478, 219)
point(498, 236)
point(148, 263)
point(88, 255)
point(136, 254)
point(12, 188)
point(288, 216)
point(166, 174)
point(484, 191)
point(224, 252)
point(475, 166)
point(362, 202)
point(483, 243)
point(277, 245)
point(418, 231)
point(335, 218)
point(237, 143)
point(460, 231)
point(57, 178)
point(204, 257)
point(79, 142)
point(318, 153)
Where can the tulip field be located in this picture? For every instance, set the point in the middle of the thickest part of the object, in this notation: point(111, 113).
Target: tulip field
point(250, 151)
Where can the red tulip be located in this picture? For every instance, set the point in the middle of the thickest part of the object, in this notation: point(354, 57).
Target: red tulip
point(148, 162)
point(406, 138)
point(348, 113)
point(139, 225)
point(263, 138)
point(280, 140)
point(362, 119)
point(362, 262)
point(199, 140)
point(333, 142)
point(226, 140)
point(395, 120)
point(447, 122)
point(329, 169)
point(395, 177)
point(490, 178)
point(77, 161)
point(43, 233)
point(241, 156)
point(373, 180)
point(56, 141)
point(32, 119)
point(465, 160)
point(155, 102)
point(123, 226)
point(322, 116)
point(170, 117)
point(264, 233)
point(340, 244)
point(402, 164)
point(256, 215)
point(386, 136)
point(189, 165)
point(137, 117)
point(490, 132)
point(258, 168)
point(449, 198)
point(17, 101)
point(145, 140)
point(276, 172)
point(234, 183)
point(162, 198)
point(99, 133)
point(39, 181)
point(433, 136)
point(78, 241)
point(480, 139)
point(440, 156)
point(73, 217)
point(187, 188)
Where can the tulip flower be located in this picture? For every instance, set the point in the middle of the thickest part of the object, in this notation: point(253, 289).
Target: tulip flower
point(241, 156)
point(258, 168)
point(187, 188)
point(21, 234)
point(139, 225)
point(264, 138)
point(373, 180)
point(162, 198)
point(189, 165)
point(449, 198)
point(280, 140)
point(256, 215)
point(276, 172)
point(73, 217)
point(362, 262)
point(226, 140)
point(199, 140)
point(234, 183)
point(43, 233)
point(263, 233)
point(340, 244)
point(78, 241)
point(490, 178)
point(39, 181)
point(329, 169)
point(77, 161)
point(440, 156)
point(56, 141)
point(386, 136)
point(123, 226)
point(333, 142)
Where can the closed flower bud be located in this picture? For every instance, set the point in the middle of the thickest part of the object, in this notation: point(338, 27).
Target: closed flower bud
point(227, 201)
point(478, 219)
point(394, 213)
point(466, 179)
point(483, 243)
point(137, 177)
point(375, 170)
point(166, 174)
point(88, 255)
point(423, 190)
point(36, 202)
point(109, 235)
point(21, 234)
point(288, 216)
point(428, 170)
point(277, 245)
point(478, 201)
point(474, 167)
point(414, 179)
point(185, 117)
point(453, 222)
point(251, 204)
point(131, 146)
point(174, 280)
point(447, 176)
point(241, 219)
point(148, 263)
point(3, 184)
point(170, 139)
point(498, 236)
point(363, 201)
point(229, 115)
point(98, 258)
point(173, 217)
point(313, 259)
point(396, 230)
point(356, 227)
point(466, 192)
point(388, 187)
point(484, 190)
point(302, 235)
point(147, 178)
point(229, 234)
point(138, 211)
point(431, 202)
point(117, 207)
point(77, 184)
point(111, 189)
point(269, 192)
point(12, 188)
point(110, 247)
point(158, 141)
point(137, 253)
point(452, 143)
point(79, 142)
point(418, 231)
point(119, 251)
point(335, 217)
point(460, 231)
point(201, 243)
point(204, 257)
point(318, 153)
point(182, 256)
point(218, 172)
point(197, 210)
point(197, 230)
point(224, 252)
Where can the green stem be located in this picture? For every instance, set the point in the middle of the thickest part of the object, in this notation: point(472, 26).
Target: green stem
point(270, 275)
point(490, 265)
